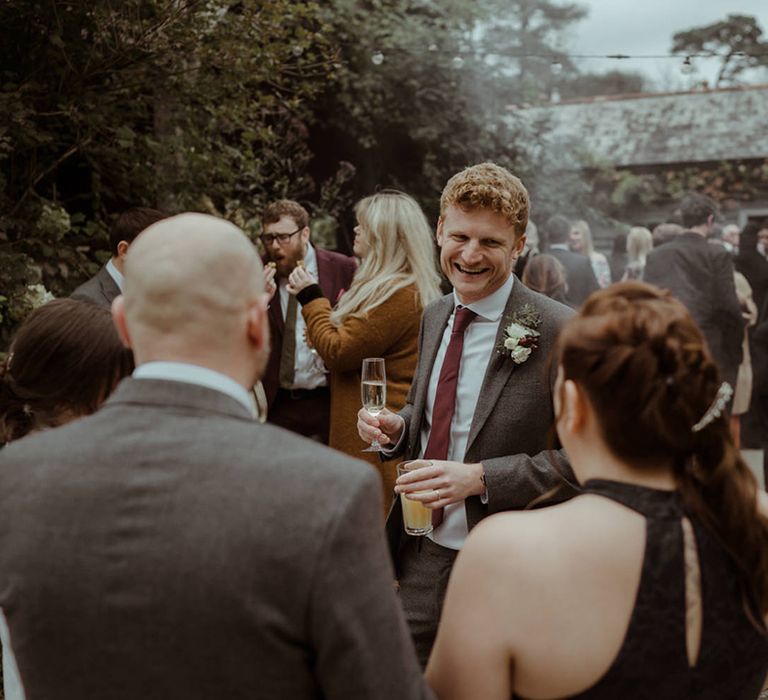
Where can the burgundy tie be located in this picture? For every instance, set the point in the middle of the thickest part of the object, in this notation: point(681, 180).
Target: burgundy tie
point(445, 396)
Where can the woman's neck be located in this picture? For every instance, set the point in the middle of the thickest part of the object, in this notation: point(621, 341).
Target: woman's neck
point(597, 462)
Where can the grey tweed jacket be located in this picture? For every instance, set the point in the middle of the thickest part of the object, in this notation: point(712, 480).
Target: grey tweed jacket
point(101, 289)
point(169, 547)
point(512, 418)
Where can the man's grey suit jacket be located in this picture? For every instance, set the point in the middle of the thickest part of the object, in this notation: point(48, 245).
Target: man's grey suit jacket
point(101, 289)
point(169, 547)
point(512, 418)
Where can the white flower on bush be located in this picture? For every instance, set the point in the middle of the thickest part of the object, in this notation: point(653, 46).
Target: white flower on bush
point(38, 295)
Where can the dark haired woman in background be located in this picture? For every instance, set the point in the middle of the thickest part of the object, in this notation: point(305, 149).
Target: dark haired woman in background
point(654, 582)
point(544, 273)
point(64, 360)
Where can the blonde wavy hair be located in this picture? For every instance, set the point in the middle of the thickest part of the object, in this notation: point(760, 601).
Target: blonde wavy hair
point(587, 245)
point(639, 244)
point(400, 253)
point(489, 186)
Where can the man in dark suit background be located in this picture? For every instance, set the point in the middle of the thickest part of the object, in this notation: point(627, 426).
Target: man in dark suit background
point(579, 275)
point(701, 276)
point(295, 382)
point(170, 547)
point(501, 401)
point(107, 283)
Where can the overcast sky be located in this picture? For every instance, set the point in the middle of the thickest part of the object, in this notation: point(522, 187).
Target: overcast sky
point(646, 27)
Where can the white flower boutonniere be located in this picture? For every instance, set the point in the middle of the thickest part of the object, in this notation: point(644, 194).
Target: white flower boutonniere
point(520, 335)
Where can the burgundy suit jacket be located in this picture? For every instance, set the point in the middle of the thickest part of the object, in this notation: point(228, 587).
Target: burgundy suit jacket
point(335, 272)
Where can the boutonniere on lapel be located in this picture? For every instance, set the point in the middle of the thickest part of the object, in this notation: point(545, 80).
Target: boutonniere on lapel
point(520, 335)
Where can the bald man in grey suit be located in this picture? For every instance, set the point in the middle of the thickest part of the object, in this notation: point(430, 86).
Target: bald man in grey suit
point(170, 547)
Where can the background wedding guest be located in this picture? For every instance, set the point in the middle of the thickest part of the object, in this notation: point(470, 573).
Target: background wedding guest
point(295, 381)
point(616, 608)
point(581, 242)
point(63, 362)
point(107, 283)
point(750, 263)
point(617, 260)
point(639, 244)
point(170, 547)
point(378, 316)
point(579, 277)
point(663, 233)
point(545, 274)
point(743, 390)
point(700, 275)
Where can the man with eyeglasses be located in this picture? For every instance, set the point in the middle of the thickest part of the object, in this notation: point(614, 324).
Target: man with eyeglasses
point(295, 382)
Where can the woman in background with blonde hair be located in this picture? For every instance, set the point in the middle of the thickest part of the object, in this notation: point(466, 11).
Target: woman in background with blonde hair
point(639, 244)
point(378, 316)
point(581, 242)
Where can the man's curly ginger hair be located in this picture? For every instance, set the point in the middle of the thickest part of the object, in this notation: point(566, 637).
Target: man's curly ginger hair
point(488, 186)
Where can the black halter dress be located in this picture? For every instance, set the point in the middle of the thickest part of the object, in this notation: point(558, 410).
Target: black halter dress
point(652, 663)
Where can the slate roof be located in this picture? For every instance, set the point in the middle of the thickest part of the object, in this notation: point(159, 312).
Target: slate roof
point(659, 129)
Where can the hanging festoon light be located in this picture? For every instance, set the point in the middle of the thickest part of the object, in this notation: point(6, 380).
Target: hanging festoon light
point(457, 62)
point(377, 58)
point(687, 68)
point(556, 67)
point(432, 47)
point(297, 50)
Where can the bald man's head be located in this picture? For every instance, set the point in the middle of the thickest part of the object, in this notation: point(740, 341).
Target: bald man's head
point(190, 280)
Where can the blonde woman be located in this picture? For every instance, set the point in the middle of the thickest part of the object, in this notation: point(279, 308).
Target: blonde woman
point(581, 242)
point(639, 244)
point(378, 316)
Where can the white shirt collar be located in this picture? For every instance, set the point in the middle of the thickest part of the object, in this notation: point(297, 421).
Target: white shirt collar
point(559, 246)
point(490, 307)
point(195, 374)
point(115, 274)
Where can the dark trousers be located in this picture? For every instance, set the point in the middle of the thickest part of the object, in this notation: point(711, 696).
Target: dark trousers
point(303, 411)
point(424, 571)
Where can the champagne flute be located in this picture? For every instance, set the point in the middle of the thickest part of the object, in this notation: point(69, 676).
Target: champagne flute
point(373, 386)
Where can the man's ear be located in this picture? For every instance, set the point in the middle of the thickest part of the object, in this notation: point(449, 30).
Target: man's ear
point(258, 322)
point(439, 232)
point(122, 249)
point(118, 316)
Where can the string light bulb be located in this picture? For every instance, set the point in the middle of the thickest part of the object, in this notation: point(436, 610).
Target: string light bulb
point(458, 62)
point(377, 58)
point(687, 68)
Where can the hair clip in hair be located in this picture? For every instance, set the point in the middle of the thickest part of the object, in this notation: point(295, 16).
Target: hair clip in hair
point(716, 408)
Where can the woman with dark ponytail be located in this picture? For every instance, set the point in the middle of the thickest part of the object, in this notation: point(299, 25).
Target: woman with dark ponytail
point(64, 360)
point(654, 582)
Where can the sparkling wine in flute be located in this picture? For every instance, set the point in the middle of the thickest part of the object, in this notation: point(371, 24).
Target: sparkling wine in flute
point(374, 396)
point(373, 390)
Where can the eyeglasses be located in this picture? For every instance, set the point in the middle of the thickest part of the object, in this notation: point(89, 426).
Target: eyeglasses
point(269, 238)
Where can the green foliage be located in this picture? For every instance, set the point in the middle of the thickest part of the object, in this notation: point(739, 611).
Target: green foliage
point(737, 39)
point(182, 104)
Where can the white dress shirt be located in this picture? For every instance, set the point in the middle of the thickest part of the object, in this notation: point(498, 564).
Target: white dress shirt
point(195, 374)
point(309, 370)
point(116, 275)
point(478, 350)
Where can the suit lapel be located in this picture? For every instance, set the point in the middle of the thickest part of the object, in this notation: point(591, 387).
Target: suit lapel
point(432, 335)
point(500, 367)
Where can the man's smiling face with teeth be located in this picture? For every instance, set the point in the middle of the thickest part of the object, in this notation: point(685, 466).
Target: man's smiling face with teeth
point(478, 251)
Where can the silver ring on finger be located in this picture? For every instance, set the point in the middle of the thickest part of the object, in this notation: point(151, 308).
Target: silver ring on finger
point(437, 495)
